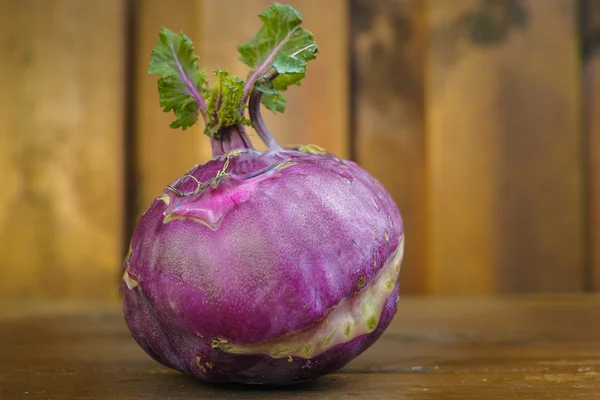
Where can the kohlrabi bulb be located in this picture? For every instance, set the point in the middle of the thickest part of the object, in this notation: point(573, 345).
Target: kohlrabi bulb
point(270, 267)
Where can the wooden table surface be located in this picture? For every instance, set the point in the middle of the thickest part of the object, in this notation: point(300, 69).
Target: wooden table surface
point(468, 348)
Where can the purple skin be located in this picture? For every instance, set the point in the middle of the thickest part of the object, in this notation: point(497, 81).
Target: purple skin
point(268, 250)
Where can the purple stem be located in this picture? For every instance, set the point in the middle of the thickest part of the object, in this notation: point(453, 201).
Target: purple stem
point(261, 68)
point(258, 123)
point(244, 136)
point(230, 138)
point(193, 91)
point(217, 147)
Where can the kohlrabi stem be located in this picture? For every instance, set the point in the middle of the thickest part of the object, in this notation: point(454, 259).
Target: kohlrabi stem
point(244, 136)
point(258, 123)
point(230, 138)
point(260, 70)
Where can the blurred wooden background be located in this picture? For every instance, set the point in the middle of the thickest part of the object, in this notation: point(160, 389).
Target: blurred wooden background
point(481, 117)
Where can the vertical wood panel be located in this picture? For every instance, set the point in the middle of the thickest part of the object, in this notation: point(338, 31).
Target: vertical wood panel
point(389, 47)
point(505, 147)
point(592, 89)
point(162, 154)
point(541, 181)
point(60, 148)
point(317, 110)
point(460, 155)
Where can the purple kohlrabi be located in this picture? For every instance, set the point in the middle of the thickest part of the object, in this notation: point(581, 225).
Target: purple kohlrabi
point(268, 267)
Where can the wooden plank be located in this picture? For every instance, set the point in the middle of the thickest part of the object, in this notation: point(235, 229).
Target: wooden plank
point(161, 154)
point(449, 348)
point(389, 49)
point(61, 138)
point(317, 111)
point(592, 95)
point(504, 147)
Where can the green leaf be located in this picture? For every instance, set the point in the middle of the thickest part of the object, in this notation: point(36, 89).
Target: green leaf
point(271, 97)
point(281, 44)
point(185, 116)
point(296, 61)
point(225, 104)
point(266, 87)
point(282, 82)
point(274, 102)
point(182, 84)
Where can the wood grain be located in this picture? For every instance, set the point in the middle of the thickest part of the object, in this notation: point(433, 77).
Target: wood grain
point(476, 348)
point(161, 154)
point(317, 111)
point(389, 48)
point(61, 119)
point(592, 96)
point(504, 147)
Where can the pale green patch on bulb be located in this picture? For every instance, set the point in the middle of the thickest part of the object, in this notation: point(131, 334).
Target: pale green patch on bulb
point(199, 364)
point(361, 281)
point(235, 153)
point(372, 322)
point(284, 165)
point(307, 350)
point(390, 284)
point(172, 217)
point(165, 198)
point(355, 316)
point(325, 344)
point(312, 149)
point(129, 281)
point(218, 343)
